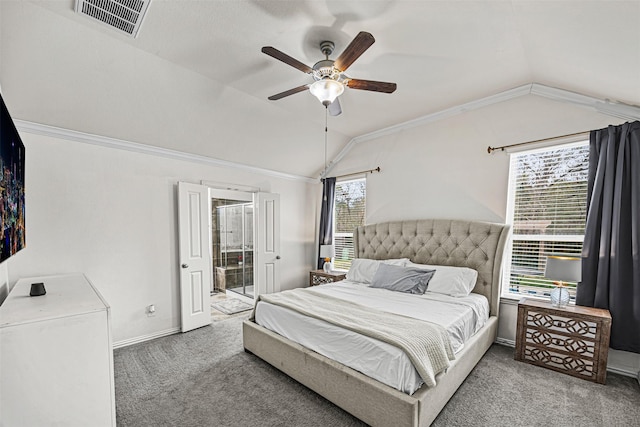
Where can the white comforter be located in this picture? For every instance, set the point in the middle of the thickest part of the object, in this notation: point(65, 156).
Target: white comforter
point(461, 317)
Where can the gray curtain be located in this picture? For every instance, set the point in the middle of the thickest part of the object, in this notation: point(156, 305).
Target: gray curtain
point(326, 215)
point(611, 250)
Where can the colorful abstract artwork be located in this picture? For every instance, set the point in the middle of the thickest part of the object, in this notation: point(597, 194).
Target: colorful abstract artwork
point(12, 207)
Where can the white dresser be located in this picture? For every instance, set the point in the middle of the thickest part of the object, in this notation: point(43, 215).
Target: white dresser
point(56, 357)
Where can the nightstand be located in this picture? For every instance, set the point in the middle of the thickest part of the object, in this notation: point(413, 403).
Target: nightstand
point(320, 277)
point(573, 340)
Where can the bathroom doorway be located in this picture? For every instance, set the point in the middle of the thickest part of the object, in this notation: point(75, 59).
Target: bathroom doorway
point(232, 238)
point(207, 262)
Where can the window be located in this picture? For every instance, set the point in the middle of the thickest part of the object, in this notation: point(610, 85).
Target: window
point(547, 209)
point(349, 206)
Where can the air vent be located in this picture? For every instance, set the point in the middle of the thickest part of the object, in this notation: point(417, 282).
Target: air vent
point(124, 15)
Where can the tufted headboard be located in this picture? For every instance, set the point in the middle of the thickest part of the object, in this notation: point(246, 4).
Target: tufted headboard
point(477, 245)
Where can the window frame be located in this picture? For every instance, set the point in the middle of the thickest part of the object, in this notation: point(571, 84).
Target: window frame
point(505, 286)
point(335, 219)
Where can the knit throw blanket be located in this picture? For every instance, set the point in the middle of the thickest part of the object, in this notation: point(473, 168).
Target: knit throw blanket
point(426, 344)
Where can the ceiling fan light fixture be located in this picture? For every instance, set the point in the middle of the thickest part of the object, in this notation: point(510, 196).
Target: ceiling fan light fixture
point(326, 90)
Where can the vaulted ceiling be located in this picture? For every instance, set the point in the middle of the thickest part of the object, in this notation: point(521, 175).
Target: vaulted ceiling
point(195, 81)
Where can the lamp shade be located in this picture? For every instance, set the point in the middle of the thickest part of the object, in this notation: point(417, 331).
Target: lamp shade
point(327, 251)
point(326, 90)
point(563, 268)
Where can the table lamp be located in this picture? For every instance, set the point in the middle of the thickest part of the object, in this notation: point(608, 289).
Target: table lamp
point(562, 269)
point(327, 252)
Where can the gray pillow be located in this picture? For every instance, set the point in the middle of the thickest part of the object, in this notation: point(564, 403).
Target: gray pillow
point(402, 279)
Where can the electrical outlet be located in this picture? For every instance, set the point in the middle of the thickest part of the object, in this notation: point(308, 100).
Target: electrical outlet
point(151, 310)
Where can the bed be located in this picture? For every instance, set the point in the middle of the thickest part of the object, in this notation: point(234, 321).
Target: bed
point(476, 245)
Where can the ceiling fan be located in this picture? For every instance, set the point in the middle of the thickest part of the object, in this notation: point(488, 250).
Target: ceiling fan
point(329, 75)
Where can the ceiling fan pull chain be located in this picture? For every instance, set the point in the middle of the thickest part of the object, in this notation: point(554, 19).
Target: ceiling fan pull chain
point(326, 114)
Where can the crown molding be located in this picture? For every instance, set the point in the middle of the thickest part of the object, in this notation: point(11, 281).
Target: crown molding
point(603, 106)
point(429, 118)
point(103, 141)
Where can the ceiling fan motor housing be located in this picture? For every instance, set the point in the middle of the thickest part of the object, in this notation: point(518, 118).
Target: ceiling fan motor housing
point(325, 70)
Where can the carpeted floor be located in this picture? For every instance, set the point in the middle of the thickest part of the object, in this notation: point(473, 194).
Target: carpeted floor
point(204, 378)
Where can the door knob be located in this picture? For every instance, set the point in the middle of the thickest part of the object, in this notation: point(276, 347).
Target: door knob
point(185, 265)
point(277, 256)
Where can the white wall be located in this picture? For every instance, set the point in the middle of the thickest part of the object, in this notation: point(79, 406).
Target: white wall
point(443, 170)
point(4, 281)
point(112, 215)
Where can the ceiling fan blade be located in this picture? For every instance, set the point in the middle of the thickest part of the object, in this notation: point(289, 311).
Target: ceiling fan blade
point(334, 108)
point(356, 48)
point(372, 85)
point(281, 56)
point(288, 92)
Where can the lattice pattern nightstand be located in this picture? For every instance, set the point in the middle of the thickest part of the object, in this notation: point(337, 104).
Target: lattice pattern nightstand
point(319, 277)
point(573, 340)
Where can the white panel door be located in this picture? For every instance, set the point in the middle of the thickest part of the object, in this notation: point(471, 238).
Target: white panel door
point(267, 243)
point(194, 218)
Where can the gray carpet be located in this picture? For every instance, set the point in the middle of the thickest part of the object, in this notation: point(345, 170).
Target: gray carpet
point(204, 378)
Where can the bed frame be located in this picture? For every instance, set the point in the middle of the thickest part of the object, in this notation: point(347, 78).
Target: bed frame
point(478, 245)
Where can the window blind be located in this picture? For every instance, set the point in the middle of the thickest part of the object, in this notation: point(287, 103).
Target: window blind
point(547, 210)
point(350, 198)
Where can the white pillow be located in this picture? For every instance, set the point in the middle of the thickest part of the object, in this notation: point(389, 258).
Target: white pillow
point(362, 270)
point(448, 280)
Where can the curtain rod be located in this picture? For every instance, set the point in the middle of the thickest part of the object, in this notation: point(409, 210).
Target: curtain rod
point(359, 173)
point(490, 149)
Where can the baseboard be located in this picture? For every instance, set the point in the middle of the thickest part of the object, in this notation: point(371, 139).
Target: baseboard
point(625, 372)
point(505, 342)
point(143, 338)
